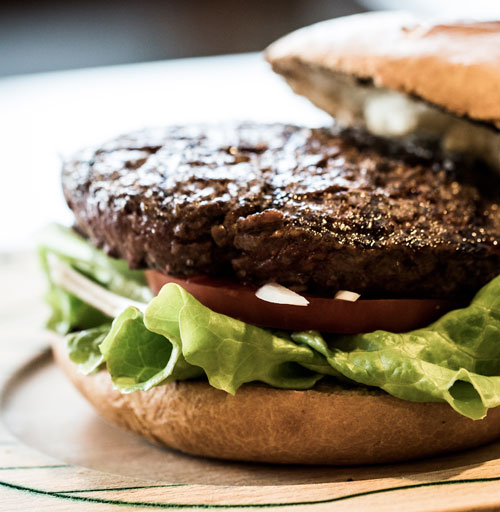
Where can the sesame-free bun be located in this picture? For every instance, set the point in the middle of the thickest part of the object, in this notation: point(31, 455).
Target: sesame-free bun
point(330, 425)
point(452, 65)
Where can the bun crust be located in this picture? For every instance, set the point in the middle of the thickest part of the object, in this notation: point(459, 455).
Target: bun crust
point(455, 66)
point(331, 425)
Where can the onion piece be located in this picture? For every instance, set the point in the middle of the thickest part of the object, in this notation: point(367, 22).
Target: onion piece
point(347, 295)
point(278, 294)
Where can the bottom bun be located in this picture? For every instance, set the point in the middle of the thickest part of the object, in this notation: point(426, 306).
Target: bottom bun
point(326, 425)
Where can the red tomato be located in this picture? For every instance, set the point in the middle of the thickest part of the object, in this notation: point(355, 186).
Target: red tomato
point(322, 314)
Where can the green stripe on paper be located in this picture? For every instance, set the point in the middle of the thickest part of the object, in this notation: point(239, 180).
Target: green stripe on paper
point(110, 489)
point(62, 495)
point(48, 466)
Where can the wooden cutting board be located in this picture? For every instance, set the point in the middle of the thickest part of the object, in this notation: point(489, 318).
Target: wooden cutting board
point(56, 454)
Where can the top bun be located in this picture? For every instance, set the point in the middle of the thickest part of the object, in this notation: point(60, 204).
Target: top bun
point(454, 66)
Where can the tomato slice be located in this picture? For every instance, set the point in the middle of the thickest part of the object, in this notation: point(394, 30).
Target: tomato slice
point(322, 314)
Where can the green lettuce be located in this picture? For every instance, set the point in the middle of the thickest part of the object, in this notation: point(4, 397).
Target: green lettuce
point(139, 359)
point(67, 311)
point(83, 348)
point(455, 360)
point(229, 351)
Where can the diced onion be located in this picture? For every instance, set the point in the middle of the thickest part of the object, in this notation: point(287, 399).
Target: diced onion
point(274, 292)
point(347, 295)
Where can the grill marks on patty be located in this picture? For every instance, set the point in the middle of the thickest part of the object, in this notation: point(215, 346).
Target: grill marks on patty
point(316, 210)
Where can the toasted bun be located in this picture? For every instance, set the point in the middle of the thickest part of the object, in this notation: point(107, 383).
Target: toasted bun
point(330, 425)
point(452, 65)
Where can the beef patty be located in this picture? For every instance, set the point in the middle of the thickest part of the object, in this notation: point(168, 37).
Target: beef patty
point(314, 209)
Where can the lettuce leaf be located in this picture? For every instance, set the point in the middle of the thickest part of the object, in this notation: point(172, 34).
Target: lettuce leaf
point(69, 312)
point(139, 359)
point(83, 348)
point(456, 359)
point(229, 351)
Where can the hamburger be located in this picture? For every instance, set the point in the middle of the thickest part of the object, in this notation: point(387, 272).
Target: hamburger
point(283, 294)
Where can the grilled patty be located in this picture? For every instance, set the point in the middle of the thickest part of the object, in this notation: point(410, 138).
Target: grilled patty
point(316, 210)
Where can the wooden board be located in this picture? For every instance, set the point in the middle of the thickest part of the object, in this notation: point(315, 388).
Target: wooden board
point(56, 454)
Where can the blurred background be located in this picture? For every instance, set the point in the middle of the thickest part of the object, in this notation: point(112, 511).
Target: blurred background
point(47, 35)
